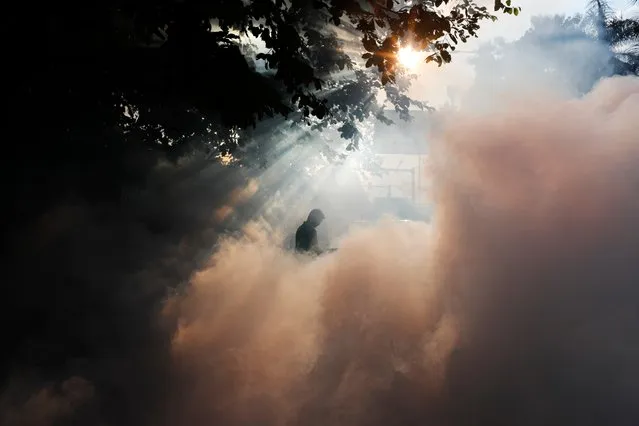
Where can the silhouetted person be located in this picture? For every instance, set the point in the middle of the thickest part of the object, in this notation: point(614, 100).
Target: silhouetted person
point(306, 235)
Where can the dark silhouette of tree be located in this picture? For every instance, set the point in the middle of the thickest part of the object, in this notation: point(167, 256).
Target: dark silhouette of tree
point(92, 86)
point(621, 34)
point(165, 72)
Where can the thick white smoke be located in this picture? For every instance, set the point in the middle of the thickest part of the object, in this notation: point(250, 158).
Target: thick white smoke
point(518, 305)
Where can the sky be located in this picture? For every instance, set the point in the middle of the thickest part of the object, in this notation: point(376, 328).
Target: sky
point(434, 84)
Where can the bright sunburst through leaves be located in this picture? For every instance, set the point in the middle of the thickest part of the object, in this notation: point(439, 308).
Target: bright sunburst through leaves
point(409, 58)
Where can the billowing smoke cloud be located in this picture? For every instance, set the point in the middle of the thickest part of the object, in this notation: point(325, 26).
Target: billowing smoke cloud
point(301, 341)
point(540, 201)
point(517, 305)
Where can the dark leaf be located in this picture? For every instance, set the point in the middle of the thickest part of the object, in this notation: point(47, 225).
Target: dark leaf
point(369, 44)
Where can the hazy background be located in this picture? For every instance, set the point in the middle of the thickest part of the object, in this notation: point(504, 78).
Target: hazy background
point(439, 87)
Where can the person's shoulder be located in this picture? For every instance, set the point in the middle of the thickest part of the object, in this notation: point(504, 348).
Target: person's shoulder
point(300, 229)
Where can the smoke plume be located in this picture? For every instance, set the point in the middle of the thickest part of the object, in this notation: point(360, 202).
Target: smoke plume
point(516, 305)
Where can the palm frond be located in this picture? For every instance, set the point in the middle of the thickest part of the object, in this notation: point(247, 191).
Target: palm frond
point(623, 31)
point(600, 10)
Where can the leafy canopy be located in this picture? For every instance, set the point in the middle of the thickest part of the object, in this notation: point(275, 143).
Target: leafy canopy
point(170, 71)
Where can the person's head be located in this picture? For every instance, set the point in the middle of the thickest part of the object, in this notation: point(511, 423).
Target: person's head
point(315, 217)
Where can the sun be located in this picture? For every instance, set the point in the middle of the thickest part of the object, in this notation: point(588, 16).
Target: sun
point(409, 58)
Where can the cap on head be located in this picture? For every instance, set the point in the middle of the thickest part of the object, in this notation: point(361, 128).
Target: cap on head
point(316, 216)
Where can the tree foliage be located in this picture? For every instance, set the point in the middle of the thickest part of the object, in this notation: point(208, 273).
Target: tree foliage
point(619, 33)
point(165, 72)
point(95, 90)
